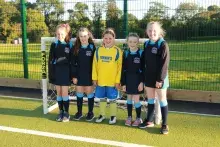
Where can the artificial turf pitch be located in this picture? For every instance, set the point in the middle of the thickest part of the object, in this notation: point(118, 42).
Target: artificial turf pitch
point(185, 129)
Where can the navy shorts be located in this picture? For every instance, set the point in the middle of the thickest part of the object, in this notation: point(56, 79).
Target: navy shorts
point(132, 83)
point(62, 75)
point(84, 80)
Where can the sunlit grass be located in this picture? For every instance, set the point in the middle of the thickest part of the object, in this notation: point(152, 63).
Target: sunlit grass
point(193, 65)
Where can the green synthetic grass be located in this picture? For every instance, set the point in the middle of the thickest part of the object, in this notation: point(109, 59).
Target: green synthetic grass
point(185, 130)
point(11, 139)
point(193, 65)
point(11, 61)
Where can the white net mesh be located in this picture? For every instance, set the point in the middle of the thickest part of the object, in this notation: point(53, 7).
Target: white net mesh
point(49, 91)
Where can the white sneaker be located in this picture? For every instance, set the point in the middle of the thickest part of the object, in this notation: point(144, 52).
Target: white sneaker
point(66, 117)
point(112, 120)
point(100, 119)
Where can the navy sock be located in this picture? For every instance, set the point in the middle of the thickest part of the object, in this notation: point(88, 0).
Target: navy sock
point(91, 104)
point(138, 112)
point(66, 105)
point(164, 112)
point(79, 101)
point(150, 112)
point(138, 109)
point(150, 108)
point(79, 104)
point(60, 104)
point(129, 108)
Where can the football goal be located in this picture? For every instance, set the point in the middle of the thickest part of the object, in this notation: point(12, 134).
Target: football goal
point(49, 92)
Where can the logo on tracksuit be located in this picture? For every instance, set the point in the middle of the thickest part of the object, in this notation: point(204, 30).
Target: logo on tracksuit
point(154, 50)
point(88, 53)
point(137, 60)
point(67, 50)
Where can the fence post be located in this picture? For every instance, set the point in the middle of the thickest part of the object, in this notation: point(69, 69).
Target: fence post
point(125, 18)
point(24, 37)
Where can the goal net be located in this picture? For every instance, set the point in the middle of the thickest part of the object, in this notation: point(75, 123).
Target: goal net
point(49, 91)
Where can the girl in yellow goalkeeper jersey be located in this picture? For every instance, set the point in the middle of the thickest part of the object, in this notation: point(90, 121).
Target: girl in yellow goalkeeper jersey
point(106, 74)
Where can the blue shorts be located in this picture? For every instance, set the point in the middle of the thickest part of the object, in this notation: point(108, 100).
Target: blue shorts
point(106, 92)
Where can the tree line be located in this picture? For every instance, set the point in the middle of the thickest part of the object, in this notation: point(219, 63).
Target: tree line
point(188, 22)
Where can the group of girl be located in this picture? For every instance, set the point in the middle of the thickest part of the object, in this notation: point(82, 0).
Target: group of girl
point(108, 69)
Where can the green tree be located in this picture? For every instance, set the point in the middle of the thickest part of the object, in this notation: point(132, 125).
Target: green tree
point(53, 11)
point(133, 25)
point(215, 24)
point(78, 17)
point(156, 12)
point(205, 23)
point(114, 18)
point(213, 8)
point(31, 5)
point(216, 16)
point(186, 11)
point(36, 27)
point(132, 22)
point(9, 21)
point(14, 33)
point(98, 25)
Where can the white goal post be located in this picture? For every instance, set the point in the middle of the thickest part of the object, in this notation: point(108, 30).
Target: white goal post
point(49, 92)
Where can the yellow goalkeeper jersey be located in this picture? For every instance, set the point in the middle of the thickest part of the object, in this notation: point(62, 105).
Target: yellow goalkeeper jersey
point(107, 64)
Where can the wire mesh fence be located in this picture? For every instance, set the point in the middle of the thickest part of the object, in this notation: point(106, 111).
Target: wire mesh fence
point(192, 32)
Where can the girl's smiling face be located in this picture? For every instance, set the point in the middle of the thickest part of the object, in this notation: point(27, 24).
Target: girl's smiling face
point(133, 42)
point(84, 37)
point(153, 32)
point(61, 34)
point(108, 40)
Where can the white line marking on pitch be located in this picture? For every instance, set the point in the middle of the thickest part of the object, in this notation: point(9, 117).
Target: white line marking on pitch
point(69, 137)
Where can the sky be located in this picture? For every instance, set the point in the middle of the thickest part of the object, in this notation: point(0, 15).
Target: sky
point(139, 7)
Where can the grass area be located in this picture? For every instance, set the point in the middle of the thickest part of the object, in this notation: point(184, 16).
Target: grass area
point(11, 139)
point(185, 130)
point(11, 61)
point(194, 65)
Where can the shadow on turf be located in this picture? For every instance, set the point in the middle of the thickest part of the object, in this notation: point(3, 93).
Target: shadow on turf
point(52, 116)
point(27, 113)
point(121, 123)
point(154, 130)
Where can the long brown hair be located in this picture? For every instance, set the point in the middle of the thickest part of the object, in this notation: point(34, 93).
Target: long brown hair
point(78, 43)
point(68, 31)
